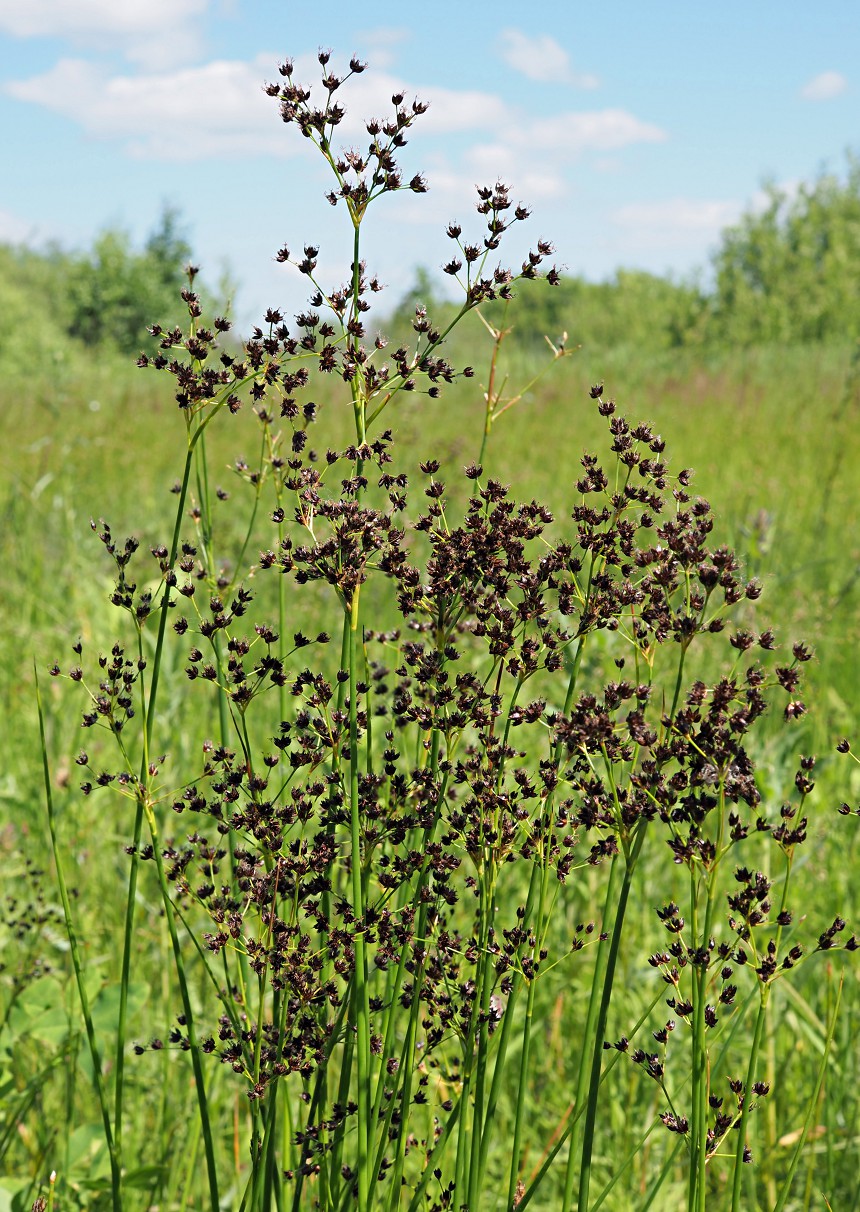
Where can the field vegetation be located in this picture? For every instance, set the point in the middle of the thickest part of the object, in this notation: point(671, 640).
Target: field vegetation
point(391, 847)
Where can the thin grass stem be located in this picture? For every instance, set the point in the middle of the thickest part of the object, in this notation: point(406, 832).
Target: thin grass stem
point(74, 951)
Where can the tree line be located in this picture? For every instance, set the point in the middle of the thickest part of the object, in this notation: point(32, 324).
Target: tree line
point(55, 301)
point(787, 272)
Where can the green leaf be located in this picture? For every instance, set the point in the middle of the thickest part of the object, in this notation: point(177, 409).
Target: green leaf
point(41, 1013)
point(85, 1145)
point(144, 1177)
point(105, 1010)
point(10, 1188)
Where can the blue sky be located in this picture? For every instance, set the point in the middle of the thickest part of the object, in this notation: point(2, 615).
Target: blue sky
point(634, 131)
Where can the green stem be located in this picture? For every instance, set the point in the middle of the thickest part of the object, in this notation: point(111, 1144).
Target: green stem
point(165, 601)
point(600, 1030)
point(407, 1059)
point(200, 1086)
point(811, 1106)
point(764, 996)
point(362, 1006)
point(589, 1033)
point(745, 1110)
point(115, 1164)
point(699, 1068)
point(485, 984)
point(320, 1094)
point(576, 1114)
point(125, 976)
point(524, 1064)
point(149, 717)
point(467, 1122)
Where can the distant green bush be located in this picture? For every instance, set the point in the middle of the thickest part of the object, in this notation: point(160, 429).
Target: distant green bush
point(56, 303)
point(631, 308)
point(34, 329)
point(114, 291)
point(787, 273)
point(791, 272)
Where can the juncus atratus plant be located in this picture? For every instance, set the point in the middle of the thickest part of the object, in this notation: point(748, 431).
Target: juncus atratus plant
point(366, 880)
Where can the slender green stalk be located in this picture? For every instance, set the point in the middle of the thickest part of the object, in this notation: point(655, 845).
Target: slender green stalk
point(267, 1164)
point(758, 1032)
point(148, 709)
point(405, 1073)
point(95, 1054)
point(467, 1121)
point(596, 1042)
point(699, 1124)
point(589, 1035)
point(179, 962)
point(657, 1184)
point(701, 932)
point(485, 984)
point(444, 1136)
point(504, 1035)
point(166, 599)
point(125, 976)
point(362, 1007)
point(128, 929)
point(407, 1059)
point(320, 1093)
point(619, 1168)
point(522, 1088)
point(812, 1104)
point(191, 1164)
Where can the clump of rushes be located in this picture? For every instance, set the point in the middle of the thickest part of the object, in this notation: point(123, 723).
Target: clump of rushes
point(359, 881)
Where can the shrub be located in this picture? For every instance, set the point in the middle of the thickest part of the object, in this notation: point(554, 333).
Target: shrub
point(788, 273)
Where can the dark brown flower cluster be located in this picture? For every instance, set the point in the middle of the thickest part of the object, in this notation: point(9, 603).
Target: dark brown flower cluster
point(361, 177)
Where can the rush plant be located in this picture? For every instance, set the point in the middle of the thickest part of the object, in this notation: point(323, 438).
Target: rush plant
point(437, 715)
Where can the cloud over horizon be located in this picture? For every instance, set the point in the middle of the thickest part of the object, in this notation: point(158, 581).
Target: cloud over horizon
point(219, 109)
point(675, 222)
point(541, 58)
point(824, 87)
point(152, 33)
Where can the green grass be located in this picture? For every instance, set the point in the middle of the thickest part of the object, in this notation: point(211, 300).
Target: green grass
point(774, 437)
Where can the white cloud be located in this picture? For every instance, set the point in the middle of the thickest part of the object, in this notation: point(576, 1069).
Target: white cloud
point(689, 222)
point(217, 109)
point(537, 150)
point(154, 33)
point(15, 230)
point(530, 155)
point(489, 162)
point(541, 146)
point(686, 213)
point(541, 58)
point(59, 18)
point(369, 96)
point(675, 220)
point(587, 130)
point(824, 86)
